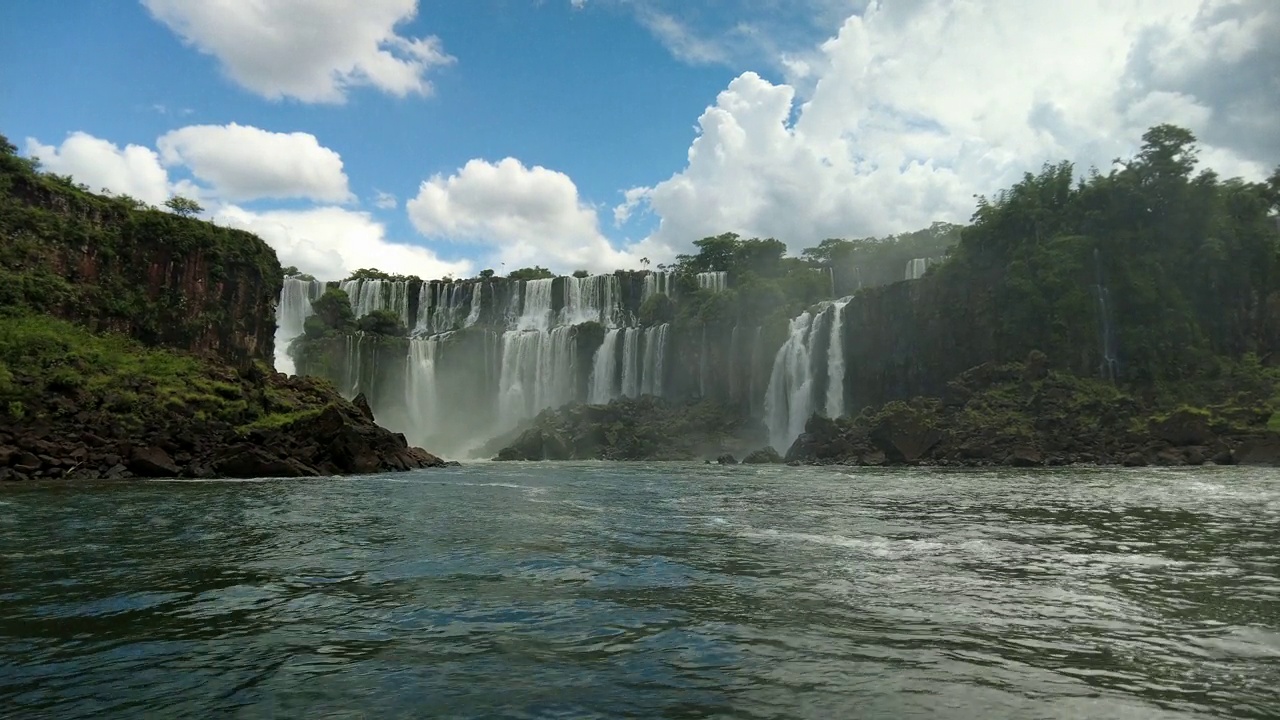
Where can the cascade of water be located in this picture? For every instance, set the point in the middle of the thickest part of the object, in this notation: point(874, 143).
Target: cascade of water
point(1110, 365)
point(538, 368)
point(789, 399)
point(835, 361)
point(477, 295)
point(916, 268)
point(656, 282)
point(714, 281)
point(592, 299)
point(292, 312)
point(604, 370)
point(655, 348)
point(535, 312)
point(631, 362)
point(423, 398)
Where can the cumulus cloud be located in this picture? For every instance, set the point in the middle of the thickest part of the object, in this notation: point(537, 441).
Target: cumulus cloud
point(914, 107)
point(310, 50)
point(331, 242)
point(245, 163)
point(385, 200)
point(132, 170)
point(524, 215)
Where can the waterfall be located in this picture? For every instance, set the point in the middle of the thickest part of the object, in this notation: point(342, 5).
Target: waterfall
point(916, 268)
point(656, 282)
point(655, 347)
point(835, 361)
point(1110, 366)
point(714, 281)
point(604, 370)
point(788, 401)
point(537, 372)
point(791, 395)
point(535, 313)
point(631, 362)
point(292, 312)
point(592, 299)
point(477, 297)
point(424, 402)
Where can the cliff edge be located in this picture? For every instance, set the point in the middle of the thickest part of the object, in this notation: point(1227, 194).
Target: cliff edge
point(137, 342)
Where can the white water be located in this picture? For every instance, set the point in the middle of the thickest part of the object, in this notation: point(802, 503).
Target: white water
point(916, 268)
point(657, 282)
point(790, 399)
point(835, 361)
point(292, 312)
point(535, 313)
point(604, 370)
point(592, 299)
point(714, 281)
point(631, 361)
point(655, 348)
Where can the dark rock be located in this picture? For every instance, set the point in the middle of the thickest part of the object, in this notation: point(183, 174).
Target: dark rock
point(727, 459)
point(1263, 450)
point(7, 454)
point(1024, 457)
point(362, 404)
point(1184, 427)
point(1036, 367)
point(117, 472)
point(1135, 460)
point(152, 462)
point(10, 475)
point(250, 461)
point(25, 462)
point(764, 456)
point(905, 437)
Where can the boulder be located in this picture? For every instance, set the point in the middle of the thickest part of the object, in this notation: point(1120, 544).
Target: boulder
point(250, 461)
point(764, 456)
point(1024, 457)
point(1134, 459)
point(905, 437)
point(727, 459)
point(1036, 366)
point(1261, 450)
point(362, 404)
point(152, 462)
point(1184, 427)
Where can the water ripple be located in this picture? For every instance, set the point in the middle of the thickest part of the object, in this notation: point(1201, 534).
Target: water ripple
point(657, 590)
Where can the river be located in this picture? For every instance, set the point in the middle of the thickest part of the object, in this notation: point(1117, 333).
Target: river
point(583, 590)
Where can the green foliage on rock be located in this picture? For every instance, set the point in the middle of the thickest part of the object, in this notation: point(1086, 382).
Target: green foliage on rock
point(657, 309)
point(531, 273)
point(382, 322)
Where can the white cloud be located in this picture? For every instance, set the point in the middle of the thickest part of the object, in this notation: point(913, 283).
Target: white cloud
point(385, 200)
point(134, 170)
point(331, 242)
point(246, 163)
point(525, 215)
point(917, 106)
point(311, 50)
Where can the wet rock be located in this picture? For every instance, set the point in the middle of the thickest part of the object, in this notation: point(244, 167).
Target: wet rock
point(1134, 459)
point(1024, 457)
point(1184, 427)
point(25, 462)
point(1263, 450)
point(1036, 367)
point(152, 462)
point(905, 437)
point(117, 472)
point(764, 456)
point(250, 461)
point(727, 459)
point(362, 404)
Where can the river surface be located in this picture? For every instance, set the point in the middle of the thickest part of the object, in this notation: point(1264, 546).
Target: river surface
point(631, 590)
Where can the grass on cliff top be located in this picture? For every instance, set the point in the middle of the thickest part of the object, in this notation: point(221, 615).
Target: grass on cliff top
point(53, 369)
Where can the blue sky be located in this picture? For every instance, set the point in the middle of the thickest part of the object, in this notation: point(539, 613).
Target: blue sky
point(593, 133)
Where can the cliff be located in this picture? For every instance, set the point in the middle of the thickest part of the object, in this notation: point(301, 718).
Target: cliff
point(134, 342)
point(114, 265)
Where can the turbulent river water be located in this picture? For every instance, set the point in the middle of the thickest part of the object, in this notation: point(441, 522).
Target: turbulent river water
point(634, 590)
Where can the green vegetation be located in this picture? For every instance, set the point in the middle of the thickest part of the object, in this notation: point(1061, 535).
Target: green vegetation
point(186, 207)
point(115, 263)
point(54, 370)
point(531, 273)
point(374, 274)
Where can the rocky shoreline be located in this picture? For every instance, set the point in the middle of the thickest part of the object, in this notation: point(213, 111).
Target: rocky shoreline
point(339, 439)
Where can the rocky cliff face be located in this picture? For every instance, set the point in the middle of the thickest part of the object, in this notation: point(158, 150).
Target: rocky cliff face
point(162, 279)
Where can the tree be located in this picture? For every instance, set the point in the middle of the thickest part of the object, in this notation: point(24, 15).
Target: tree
point(486, 274)
point(382, 322)
point(536, 272)
point(186, 207)
point(580, 274)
